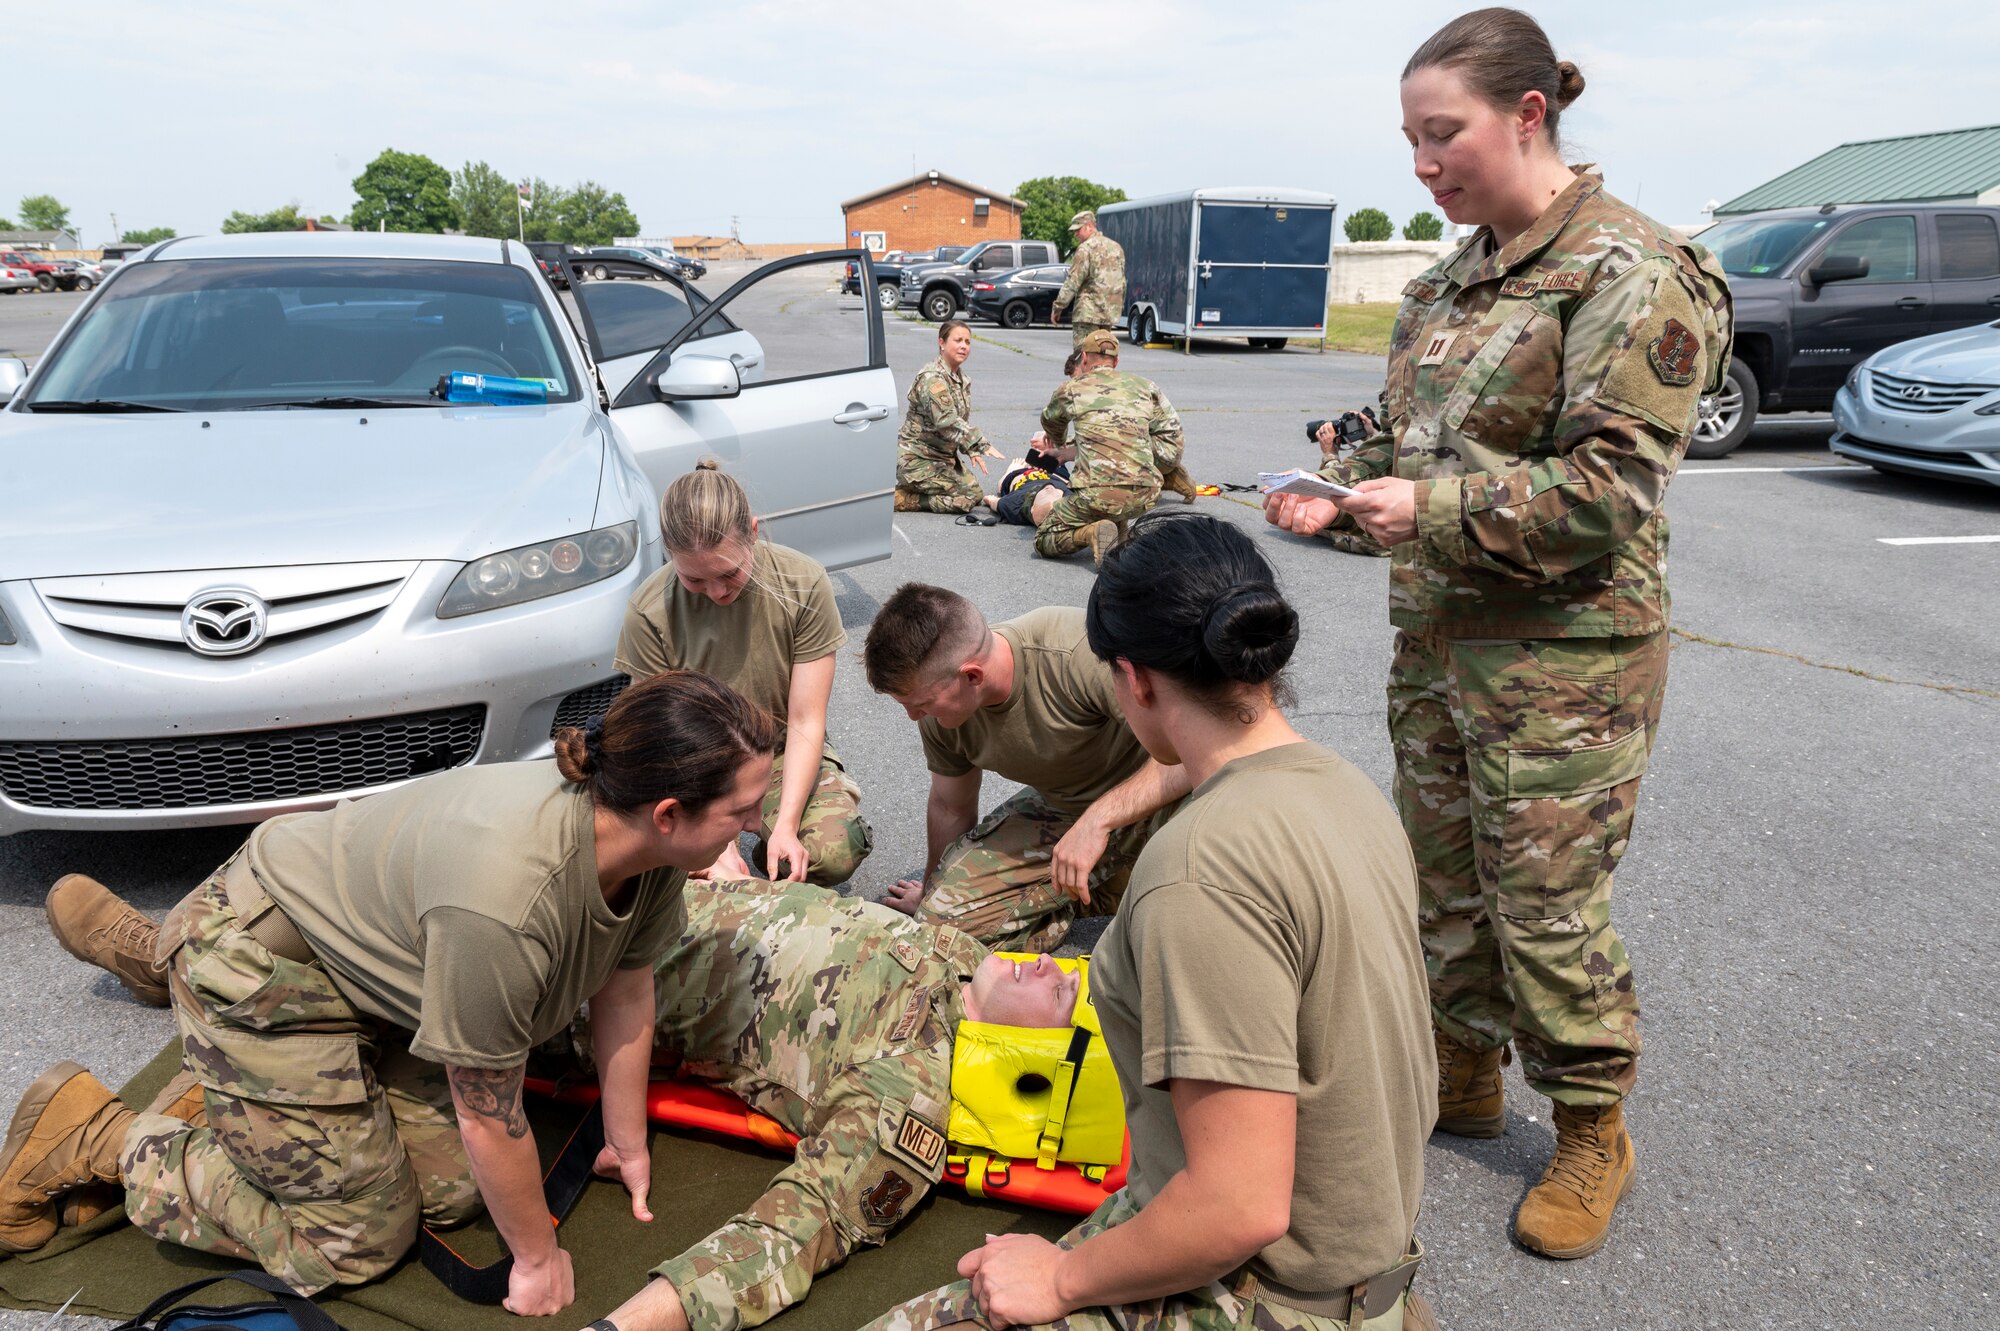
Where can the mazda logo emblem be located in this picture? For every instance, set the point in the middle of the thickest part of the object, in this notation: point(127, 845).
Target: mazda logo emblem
point(1916, 392)
point(223, 621)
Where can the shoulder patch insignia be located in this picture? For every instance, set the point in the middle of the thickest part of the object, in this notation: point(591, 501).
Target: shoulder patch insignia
point(1569, 281)
point(1519, 286)
point(1436, 348)
point(920, 1141)
point(1422, 290)
point(883, 1203)
point(913, 1016)
point(1673, 354)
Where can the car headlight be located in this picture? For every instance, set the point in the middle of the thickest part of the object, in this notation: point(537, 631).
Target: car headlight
point(530, 572)
point(1853, 384)
point(1990, 409)
point(7, 637)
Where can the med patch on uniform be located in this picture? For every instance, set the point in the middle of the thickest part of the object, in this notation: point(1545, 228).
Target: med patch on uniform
point(1674, 354)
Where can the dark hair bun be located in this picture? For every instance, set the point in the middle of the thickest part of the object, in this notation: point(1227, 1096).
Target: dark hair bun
point(1249, 633)
point(1569, 83)
point(573, 755)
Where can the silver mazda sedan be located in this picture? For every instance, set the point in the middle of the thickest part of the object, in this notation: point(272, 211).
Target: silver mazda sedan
point(296, 517)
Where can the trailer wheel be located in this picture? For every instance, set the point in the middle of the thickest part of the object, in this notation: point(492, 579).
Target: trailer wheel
point(1017, 314)
point(1268, 343)
point(1141, 328)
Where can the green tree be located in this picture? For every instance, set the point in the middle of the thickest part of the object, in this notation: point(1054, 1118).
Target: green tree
point(591, 215)
point(43, 212)
point(1052, 200)
point(403, 192)
point(148, 236)
point(1368, 224)
point(484, 199)
point(278, 219)
point(7, 224)
point(543, 219)
point(1425, 225)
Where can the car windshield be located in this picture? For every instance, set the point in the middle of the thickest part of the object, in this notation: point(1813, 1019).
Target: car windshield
point(234, 334)
point(1760, 246)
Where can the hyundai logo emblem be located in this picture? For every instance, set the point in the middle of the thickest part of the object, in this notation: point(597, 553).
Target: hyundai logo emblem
point(1916, 392)
point(223, 621)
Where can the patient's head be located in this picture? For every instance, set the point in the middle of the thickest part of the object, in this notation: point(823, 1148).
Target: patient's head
point(1022, 993)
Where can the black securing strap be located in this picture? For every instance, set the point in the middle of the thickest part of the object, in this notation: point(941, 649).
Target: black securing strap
point(296, 1305)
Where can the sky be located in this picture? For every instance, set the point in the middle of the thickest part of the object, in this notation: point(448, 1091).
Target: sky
point(773, 112)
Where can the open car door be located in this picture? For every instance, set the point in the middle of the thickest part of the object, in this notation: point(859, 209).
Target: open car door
point(780, 378)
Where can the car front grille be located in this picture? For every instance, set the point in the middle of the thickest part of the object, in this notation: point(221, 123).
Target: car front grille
point(1989, 461)
point(1920, 397)
point(580, 707)
point(252, 767)
point(146, 607)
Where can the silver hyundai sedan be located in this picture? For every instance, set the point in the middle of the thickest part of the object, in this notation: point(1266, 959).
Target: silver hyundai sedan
point(1929, 406)
point(260, 553)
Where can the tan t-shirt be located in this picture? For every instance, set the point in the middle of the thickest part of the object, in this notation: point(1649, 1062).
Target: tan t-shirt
point(785, 617)
point(465, 907)
point(1269, 940)
point(1060, 730)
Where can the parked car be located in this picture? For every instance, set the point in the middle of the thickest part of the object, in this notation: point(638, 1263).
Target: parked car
point(943, 288)
point(88, 274)
point(888, 272)
point(1020, 298)
point(273, 569)
point(552, 257)
point(1929, 406)
point(604, 263)
point(50, 274)
point(14, 279)
point(689, 267)
point(1820, 290)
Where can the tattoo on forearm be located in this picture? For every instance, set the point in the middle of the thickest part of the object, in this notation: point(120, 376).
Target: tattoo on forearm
point(493, 1093)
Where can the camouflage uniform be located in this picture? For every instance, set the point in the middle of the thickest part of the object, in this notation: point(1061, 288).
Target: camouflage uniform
point(835, 1017)
point(1127, 434)
point(326, 1140)
point(1540, 398)
point(936, 429)
point(1096, 284)
point(836, 837)
point(1234, 1303)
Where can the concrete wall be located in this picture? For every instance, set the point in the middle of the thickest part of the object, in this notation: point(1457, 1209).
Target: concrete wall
point(1377, 270)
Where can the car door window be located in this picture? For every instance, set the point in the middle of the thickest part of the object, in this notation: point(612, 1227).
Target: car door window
point(1968, 247)
point(995, 258)
point(1888, 243)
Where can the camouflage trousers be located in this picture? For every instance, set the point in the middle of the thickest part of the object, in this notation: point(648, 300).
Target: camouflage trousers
point(836, 837)
point(996, 882)
point(1517, 776)
point(1066, 529)
point(1236, 1302)
point(926, 483)
point(327, 1141)
point(1080, 331)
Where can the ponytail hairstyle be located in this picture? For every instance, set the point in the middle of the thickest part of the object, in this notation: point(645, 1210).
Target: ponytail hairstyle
point(1189, 596)
point(704, 508)
point(1503, 54)
point(681, 735)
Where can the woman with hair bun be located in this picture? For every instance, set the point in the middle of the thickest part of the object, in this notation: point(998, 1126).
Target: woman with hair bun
point(760, 617)
point(358, 989)
point(1543, 382)
point(1261, 992)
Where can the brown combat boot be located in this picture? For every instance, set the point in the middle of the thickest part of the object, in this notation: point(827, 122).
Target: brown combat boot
point(908, 501)
point(1471, 1100)
point(68, 1131)
point(1103, 535)
point(89, 1202)
point(1175, 478)
point(1568, 1213)
point(96, 925)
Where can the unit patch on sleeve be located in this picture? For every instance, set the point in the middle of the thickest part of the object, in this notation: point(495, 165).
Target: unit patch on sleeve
point(883, 1203)
point(1673, 354)
point(1435, 348)
point(921, 1142)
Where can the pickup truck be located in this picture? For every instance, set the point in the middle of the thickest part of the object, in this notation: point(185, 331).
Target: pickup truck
point(50, 274)
point(889, 272)
point(1819, 290)
point(941, 289)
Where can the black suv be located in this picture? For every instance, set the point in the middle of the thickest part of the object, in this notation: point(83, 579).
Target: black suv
point(941, 290)
point(1819, 290)
point(552, 257)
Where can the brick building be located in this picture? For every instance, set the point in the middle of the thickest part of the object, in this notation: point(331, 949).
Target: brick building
point(929, 210)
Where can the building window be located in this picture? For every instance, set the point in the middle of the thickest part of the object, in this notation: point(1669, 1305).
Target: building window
point(980, 207)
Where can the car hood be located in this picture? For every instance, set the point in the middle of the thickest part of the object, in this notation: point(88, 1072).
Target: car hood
point(1961, 356)
point(145, 492)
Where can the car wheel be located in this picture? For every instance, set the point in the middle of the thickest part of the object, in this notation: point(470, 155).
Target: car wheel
point(1268, 343)
point(1723, 419)
point(939, 306)
point(1017, 314)
point(83, 284)
point(601, 273)
point(43, 282)
point(887, 294)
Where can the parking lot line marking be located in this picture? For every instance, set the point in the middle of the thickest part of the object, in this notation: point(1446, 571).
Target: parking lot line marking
point(1938, 540)
point(1744, 471)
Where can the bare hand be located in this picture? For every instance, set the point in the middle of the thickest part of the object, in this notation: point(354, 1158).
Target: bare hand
point(1075, 856)
point(1296, 513)
point(634, 1169)
point(905, 895)
point(1386, 508)
point(1014, 1280)
point(784, 847)
point(1039, 441)
point(978, 460)
point(1327, 436)
point(540, 1291)
point(729, 866)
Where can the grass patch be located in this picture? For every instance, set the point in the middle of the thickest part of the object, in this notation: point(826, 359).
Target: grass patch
point(1362, 328)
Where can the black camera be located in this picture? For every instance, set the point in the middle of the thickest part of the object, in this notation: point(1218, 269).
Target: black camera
point(1349, 428)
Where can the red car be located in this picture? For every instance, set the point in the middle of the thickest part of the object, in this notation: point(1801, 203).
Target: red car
point(50, 274)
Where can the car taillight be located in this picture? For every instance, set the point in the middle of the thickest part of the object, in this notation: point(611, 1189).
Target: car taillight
point(982, 286)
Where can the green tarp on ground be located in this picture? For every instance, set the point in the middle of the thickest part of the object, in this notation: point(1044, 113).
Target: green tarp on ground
point(698, 1183)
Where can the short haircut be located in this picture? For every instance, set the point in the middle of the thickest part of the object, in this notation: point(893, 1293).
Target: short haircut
point(920, 633)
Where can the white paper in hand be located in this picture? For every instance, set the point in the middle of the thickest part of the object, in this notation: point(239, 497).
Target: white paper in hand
point(1305, 483)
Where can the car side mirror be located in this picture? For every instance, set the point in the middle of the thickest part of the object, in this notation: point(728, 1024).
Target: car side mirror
point(688, 376)
point(1838, 268)
point(13, 373)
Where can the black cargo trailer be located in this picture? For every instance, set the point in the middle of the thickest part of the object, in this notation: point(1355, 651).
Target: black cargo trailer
point(1240, 261)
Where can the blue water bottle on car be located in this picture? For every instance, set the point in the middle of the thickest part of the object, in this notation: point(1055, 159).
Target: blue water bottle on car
point(494, 390)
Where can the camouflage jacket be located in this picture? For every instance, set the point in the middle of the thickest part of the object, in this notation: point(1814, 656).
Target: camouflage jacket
point(1096, 282)
point(1541, 398)
point(1127, 432)
point(939, 421)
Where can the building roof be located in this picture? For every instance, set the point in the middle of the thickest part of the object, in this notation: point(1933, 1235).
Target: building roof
point(925, 178)
point(1956, 164)
point(46, 240)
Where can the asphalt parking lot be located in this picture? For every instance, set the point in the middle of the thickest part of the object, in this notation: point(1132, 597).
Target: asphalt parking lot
point(1805, 898)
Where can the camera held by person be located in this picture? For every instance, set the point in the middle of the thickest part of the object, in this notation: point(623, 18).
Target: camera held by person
point(1343, 432)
